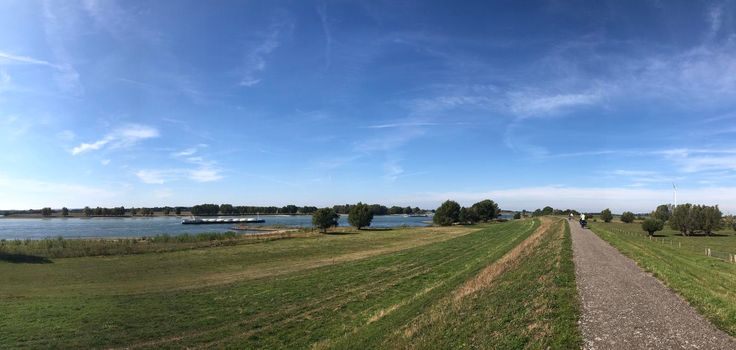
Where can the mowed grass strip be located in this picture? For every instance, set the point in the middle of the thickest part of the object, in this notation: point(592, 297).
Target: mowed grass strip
point(531, 305)
point(196, 268)
point(707, 283)
point(299, 309)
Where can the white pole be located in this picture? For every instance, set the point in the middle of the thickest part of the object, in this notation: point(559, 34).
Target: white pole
point(674, 193)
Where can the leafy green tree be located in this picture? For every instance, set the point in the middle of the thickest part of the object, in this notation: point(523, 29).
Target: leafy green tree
point(447, 214)
point(360, 215)
point(64, 211)
point(468, 216)
point(167, 210)
point(606, 215)
point(548, 210)
point(679, 220)
point(486, 210)
point(46, 211)
point(712, 219)
point(325, 218)
point(87, 211)
point(517, 216)
point(652, 225)
point(627, 217)
point(177, 211)
point(662, 213)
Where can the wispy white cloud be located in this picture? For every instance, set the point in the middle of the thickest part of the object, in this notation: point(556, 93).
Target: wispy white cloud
point(23, 193)
point(529, 104)
point(125, 136)
point(255, 58)
point(205, 174)
point(11, 58)
point(324, 20)
point(185, 152)
point(154, 176)
point(202, 173)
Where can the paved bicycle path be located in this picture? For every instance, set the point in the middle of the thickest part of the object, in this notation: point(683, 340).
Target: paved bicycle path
point(625, 308)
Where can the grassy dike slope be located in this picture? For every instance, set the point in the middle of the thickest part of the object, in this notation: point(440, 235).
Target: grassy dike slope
point(357, 299)
point(706, 283)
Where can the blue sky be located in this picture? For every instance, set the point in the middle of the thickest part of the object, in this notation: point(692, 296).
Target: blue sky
point(574, 104)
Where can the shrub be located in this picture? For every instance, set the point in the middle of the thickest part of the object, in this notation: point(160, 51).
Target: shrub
point(606, 215)
point(517, 216)
point(652, 226)
point(627, 217)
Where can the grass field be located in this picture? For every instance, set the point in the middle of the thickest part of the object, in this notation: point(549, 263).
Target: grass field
point(328, 291)
point(707, 283)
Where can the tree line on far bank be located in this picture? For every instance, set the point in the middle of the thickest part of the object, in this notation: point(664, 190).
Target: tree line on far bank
point(360, 215)
point(214, 209)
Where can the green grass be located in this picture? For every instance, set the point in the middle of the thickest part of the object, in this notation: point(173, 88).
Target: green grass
point(707, 283)
point(533, 305)
point(60, 247)
point(322, 291)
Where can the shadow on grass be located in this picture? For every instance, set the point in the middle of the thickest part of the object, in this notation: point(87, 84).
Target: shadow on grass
point(377, 229)
point(341, 233)
point(24, 259)
point(702, 235)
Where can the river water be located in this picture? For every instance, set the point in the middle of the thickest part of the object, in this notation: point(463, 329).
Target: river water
point(138, 227)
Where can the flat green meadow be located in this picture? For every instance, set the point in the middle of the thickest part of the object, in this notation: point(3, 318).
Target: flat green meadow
point(366, 289)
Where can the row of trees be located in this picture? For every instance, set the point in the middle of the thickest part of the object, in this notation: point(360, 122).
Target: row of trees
point(451, 212)
point(228, 209)
point(99, 211)
point(359, 215)
point(378, 209)
point(687, 218)
point(551, 211)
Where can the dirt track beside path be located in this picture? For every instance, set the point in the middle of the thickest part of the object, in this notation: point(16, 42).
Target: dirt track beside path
point(625, 308)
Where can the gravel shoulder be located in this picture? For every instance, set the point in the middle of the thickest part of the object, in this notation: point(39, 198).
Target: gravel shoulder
point(625, 308)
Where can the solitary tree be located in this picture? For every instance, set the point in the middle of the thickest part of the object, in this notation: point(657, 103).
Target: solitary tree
point(64, 211)
point(447, 214)
point(360, 215)
point(652, 225)
point(325, 218)
point(517, 216)
point(46, 211)
point(606, 215)
point(627, 217)
point(486, 209)
point(87, 211)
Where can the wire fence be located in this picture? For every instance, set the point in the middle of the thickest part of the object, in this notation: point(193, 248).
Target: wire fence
point(707, 251)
